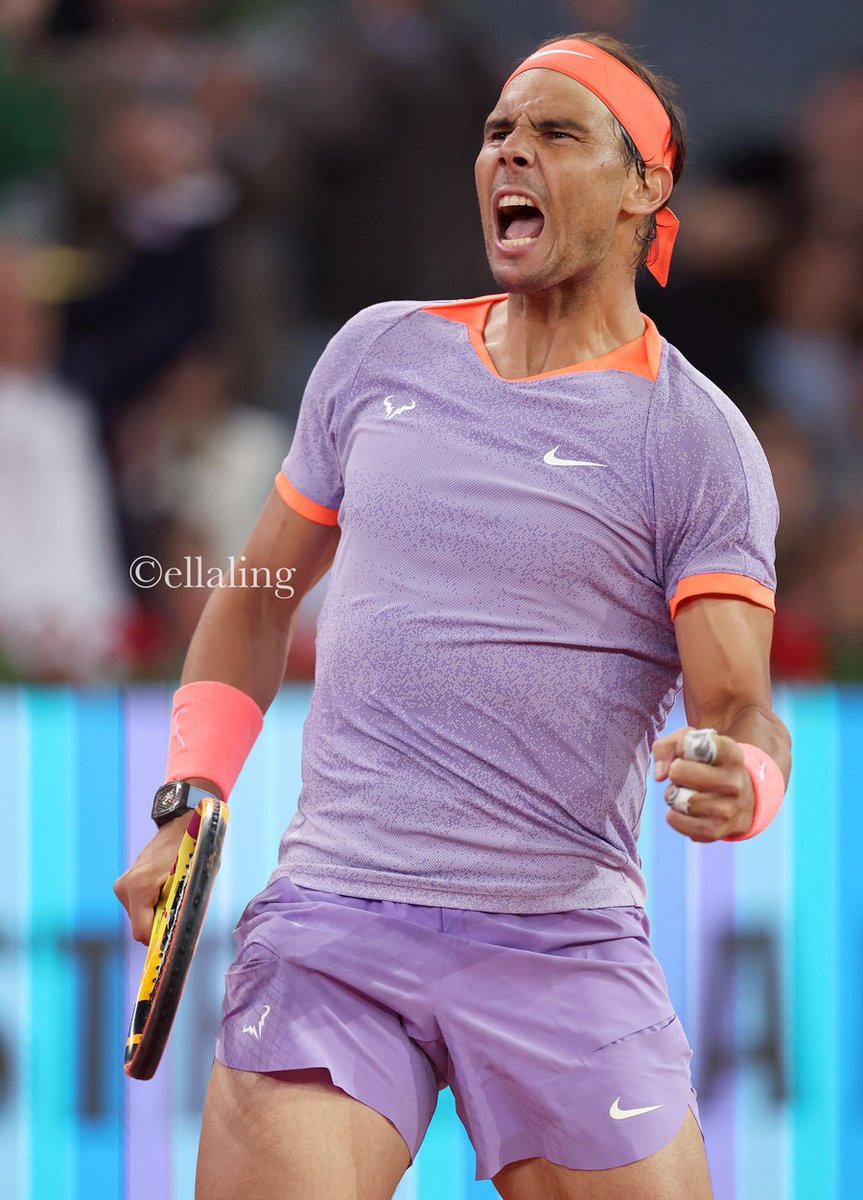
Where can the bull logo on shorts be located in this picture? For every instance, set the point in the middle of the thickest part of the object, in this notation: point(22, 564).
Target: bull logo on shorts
point(257, 1030)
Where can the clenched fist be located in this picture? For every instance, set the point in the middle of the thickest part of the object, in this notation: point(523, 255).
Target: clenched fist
point(139, 886)
point(723, 802)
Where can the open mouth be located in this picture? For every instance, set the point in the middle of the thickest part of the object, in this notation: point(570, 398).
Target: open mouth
point(519, 221)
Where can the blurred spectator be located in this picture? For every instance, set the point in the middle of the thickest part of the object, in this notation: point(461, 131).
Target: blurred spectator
point(841, 570)
point(159, 50)
point(734, 223)
point(238, 177)
point(800, 641)
point(219, 456)
point(395, 99)
point(62, 603)
point(765, 299)
point(32, 124)
point(175, 171)
point(827, 137)
point(195, 464)
point(165, 199)
point(805, 356)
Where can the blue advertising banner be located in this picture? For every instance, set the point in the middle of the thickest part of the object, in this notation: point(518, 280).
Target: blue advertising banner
point(760, 942)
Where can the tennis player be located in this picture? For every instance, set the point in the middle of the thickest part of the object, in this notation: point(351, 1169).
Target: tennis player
point(538, 516)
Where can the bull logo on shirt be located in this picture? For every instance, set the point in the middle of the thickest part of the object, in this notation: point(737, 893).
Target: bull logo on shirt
point(392, 411)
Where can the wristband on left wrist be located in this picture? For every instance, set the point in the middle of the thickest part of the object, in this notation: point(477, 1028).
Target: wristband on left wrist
point(213, 727)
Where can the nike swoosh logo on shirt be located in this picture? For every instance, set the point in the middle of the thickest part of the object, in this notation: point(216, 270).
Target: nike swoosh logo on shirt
point(553, 461)
point(621, 1114)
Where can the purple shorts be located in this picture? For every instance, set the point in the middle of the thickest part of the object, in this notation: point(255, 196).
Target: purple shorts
point(554, 1030)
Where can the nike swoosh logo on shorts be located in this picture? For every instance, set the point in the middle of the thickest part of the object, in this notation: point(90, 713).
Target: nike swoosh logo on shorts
point(553, 461)
point(621, 1114)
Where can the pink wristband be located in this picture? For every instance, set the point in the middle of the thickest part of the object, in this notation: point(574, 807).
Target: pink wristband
point(213, 728)
point(768, 784)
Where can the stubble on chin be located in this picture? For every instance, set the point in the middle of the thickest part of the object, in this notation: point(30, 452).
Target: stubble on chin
point(521, 279)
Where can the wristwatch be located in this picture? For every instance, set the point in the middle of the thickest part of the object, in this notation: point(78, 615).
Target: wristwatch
point(174, 798)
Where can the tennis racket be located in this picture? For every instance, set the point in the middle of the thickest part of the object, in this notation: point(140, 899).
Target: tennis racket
point(699, 745)
point(176, 926)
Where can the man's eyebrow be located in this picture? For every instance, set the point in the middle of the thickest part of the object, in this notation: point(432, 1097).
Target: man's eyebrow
point(560, 123)
point(495, 124)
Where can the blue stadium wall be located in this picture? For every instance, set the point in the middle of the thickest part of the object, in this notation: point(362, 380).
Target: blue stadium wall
point(762, 944)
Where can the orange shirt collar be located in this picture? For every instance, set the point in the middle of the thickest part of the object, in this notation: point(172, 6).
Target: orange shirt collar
point(640, 357)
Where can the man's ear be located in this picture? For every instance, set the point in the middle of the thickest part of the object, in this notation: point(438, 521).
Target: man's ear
point(645, 196)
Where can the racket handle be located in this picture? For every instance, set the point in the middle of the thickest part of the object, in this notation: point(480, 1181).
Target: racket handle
point(699, 745)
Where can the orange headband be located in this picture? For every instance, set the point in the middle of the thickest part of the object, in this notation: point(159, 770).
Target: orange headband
point(636, 106)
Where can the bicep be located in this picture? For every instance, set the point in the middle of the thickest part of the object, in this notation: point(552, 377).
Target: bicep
point(724, 646)
point(284, 540)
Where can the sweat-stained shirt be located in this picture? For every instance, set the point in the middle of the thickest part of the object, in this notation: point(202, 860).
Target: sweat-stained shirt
point(496, 653)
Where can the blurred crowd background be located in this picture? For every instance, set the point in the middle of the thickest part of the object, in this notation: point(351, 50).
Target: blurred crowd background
point(194, 195)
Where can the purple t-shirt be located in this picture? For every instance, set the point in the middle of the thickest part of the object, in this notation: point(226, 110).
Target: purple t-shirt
point(495, 653)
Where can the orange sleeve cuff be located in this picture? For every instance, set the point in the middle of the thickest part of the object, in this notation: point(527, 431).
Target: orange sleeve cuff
point(303, 505)
point(722, 584)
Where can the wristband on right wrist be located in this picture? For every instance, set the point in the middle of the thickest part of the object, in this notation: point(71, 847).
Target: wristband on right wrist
point(768, 784)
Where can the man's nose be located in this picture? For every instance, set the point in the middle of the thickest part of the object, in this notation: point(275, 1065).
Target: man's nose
point(516, 149)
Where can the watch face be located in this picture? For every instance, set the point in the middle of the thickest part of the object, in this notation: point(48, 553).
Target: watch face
point(168, 799)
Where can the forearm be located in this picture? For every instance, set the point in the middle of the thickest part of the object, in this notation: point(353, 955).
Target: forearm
point(239, 649)
point(764, 729)
point(725, 654)
point(242, 639)
point(750, 723)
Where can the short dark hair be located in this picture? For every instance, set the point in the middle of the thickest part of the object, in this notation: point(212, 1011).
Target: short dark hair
point(666, 92)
